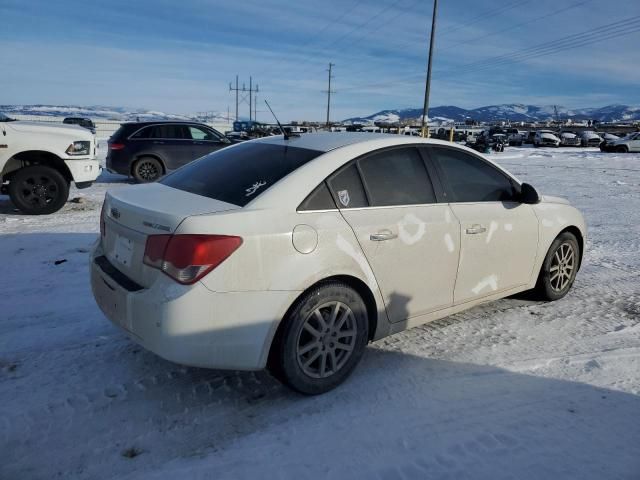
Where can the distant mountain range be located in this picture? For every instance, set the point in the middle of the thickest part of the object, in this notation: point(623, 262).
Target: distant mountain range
point(100, 112)
point(510, 112)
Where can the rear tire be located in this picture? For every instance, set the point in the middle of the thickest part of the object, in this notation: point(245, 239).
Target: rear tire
point(38, 190)
point(559, 268)
point(321, 340)
point(147, 169)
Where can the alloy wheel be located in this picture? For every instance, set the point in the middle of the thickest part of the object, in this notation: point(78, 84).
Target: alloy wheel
point(148, 171)
point(326, 340)
point(562, 267)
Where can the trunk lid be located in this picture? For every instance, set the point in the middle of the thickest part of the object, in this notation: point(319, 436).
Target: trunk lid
point(133, 213)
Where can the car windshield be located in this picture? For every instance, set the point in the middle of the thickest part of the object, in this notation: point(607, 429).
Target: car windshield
point(240, 173)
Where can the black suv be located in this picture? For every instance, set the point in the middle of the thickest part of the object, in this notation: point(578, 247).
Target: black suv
point(148, 150)
point(82, 121)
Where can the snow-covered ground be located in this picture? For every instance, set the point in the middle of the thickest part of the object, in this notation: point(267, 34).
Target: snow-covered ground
point(513, 389)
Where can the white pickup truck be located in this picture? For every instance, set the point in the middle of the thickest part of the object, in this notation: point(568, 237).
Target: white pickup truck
point(38, 162)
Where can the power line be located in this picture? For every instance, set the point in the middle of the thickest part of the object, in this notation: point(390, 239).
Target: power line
point(498, 10)
point(517, 25)
point(476, 19)
point(588, 37)
point(326, 46)
point(315, 36)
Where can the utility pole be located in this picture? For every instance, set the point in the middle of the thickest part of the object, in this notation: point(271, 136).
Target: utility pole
point(255, 106)
point(331, 65)
point(231, 89)
point(427, 88)
point(243, 99)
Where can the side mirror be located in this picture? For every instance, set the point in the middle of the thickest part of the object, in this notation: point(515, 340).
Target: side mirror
point(528, 194)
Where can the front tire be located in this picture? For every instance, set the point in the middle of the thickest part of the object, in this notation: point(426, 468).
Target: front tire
point(147, 170)
point(38, 190)
point(322, 339)
point(622, 149)
point(559, 268)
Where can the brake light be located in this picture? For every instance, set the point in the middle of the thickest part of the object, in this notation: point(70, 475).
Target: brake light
point(188, 258)
point(116, 146)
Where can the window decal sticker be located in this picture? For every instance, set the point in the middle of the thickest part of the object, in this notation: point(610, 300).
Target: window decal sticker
point(253, 188)
point(343, 196)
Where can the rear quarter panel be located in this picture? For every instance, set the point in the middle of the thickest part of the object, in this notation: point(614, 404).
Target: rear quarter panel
point(274, 258)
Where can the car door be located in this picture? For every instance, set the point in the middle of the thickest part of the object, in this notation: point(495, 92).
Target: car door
point(634, 143)
point(204, 141)
point(499, 235)
point(410, 241)
point(172, 143)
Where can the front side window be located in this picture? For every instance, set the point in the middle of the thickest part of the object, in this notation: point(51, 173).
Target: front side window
point(240, 173)
point(198, 133)
point(396, 177)
point(470, 179)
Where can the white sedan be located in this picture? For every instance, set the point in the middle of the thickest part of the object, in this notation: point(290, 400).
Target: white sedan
point(294, 253)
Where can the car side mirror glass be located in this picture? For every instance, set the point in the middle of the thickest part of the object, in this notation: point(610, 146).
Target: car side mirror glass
point(528, 194)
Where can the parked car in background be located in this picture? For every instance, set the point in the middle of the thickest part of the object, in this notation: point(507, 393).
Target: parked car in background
point(545, 138)
point(609, 137)
point(569, 139)
point(270, 253)
point(590, 139)
point(148, 150)
point(531, 135)
point(514, 137)
point(630, 143)
point(38, 162)
point(82, 121)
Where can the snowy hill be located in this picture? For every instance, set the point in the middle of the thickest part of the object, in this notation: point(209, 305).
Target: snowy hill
point(512, 112)
point(100, 112)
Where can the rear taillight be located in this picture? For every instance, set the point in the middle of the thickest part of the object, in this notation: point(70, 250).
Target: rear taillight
point(188, 258)
point(102, 225)
point(116, 146)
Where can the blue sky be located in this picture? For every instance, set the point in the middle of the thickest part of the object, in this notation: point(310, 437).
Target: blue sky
point(179, 57)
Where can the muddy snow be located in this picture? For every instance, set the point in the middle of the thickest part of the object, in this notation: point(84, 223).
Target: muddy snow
point(512, 389)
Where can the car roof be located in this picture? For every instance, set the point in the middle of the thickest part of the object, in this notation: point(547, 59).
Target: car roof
point(327, 141)
point(161, 122)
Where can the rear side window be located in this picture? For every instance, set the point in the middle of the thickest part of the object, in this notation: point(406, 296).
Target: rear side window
point(241, 173)
point(170, 132)
point(396, 177)
point(319, 199)
point(347, 188)
point(142, 133)
point(471, 179)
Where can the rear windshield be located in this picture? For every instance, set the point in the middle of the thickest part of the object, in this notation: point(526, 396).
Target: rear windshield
point(239, 174)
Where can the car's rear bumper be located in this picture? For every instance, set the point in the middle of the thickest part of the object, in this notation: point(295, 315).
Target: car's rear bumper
point(191, 325)
point(118, 162)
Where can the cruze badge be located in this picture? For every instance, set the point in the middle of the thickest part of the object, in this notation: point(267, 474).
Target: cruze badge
point(343, 196)
point(115, 213)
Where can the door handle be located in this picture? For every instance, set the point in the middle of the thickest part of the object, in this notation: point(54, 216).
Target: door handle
point(382, 236)
point(475, 229)
point(158, 143)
